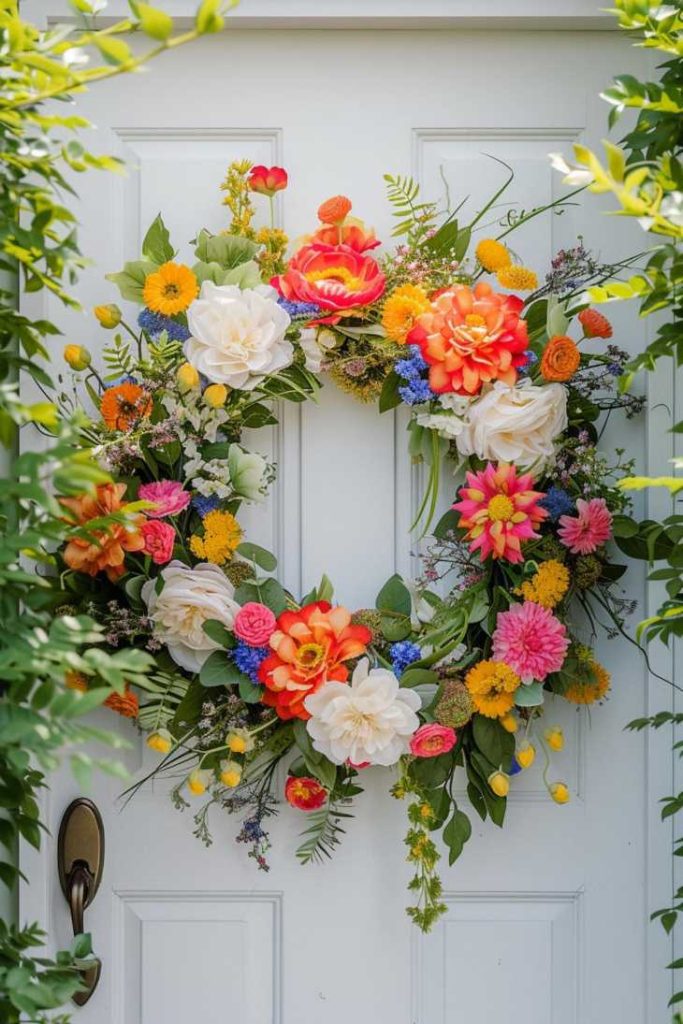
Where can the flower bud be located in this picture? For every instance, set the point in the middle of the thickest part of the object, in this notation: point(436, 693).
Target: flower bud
point(197, 781)
point(239, 741)
point(334, 210)
point(231, 774)
point(77, 356)
point(215, 395)
point(499, 783)
point(187, 377)
point(554, 737)
point(509, 722)
point(526, 754)
point(161, 741)
point(559, 792)
point(109, 316)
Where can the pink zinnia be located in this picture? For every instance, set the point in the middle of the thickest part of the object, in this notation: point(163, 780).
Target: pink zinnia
point(530, 640)
point(585, 532)
point(168, 497)
point(432, 739)
point(499, 510)
point(159, 540)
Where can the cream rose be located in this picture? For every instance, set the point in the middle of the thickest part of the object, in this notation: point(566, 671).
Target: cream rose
point(515, 424)
point(238, 336)
point(188, 598)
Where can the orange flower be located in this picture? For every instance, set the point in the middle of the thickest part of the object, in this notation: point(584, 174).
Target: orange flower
point(334, 210)
point(594, 324)
point(125, 704)
point(103, 550)
point(561, 358)
point(471, 336)
point(352, 233)
point(75, 680)
point(170, 289)
point(310, 647)
point(334, 277)
point(124, 405)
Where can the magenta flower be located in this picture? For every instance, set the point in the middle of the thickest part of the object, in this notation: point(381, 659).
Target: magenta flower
point(585, 532)
point(531, 640)
point(500, 511)
point(168, 497)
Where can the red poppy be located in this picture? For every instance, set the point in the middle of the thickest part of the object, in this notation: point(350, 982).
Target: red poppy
point(304, 793)
point(267, 180)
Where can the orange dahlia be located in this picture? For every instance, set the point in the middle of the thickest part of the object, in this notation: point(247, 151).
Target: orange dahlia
point(125, 704)
point(594, 324)
point(309, 648)
point(561, 358)
point(124, 405)
point(103, 550)
point(170, 289)
point(471, 336)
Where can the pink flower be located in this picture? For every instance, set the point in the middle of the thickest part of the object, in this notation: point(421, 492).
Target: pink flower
point(432, 740)
point(255, 624)
point(168, 496)
point(159, 539)
point(530, 640)
point(585, 532)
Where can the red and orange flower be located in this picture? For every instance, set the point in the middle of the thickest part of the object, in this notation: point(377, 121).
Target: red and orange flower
point(267, 180)
point(337, 278)
point(305, 793)
point(309, 648)
point(470, 337)
point(124, 405)
point(103, 550)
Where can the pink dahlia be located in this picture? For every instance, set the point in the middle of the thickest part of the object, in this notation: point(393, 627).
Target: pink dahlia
point(585, 532)
point(499, 510)
point(531, 640)
point(168, 497)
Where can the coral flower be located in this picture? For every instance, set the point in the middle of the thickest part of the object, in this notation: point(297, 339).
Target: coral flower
point(352, 232)
point(470, 337)
point(492, 686)
point(125, 704)
point(123, 406)
point(170, 289)
point(267, 180)
point(159, 541)
point(304, 793)
point(531, 640)
point(594, 324)
point(586, 531)
point(334, 210)
point(561, 358)
point(402, 309)
point(168, 496)
point(499, 510)
point(309, 648)
point(432, 739)
point(102, 550)
point(334, 277)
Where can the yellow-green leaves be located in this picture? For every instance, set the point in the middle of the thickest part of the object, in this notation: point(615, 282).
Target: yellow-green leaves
point(154, 22)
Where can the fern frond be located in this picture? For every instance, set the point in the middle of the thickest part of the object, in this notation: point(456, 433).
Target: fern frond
point(118, 358)
point(323, 834)
point(165, 694)
point(415, 218)
point(164, 354)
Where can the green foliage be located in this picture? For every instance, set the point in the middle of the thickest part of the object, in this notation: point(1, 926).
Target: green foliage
point(414, 218)
point(31, 985)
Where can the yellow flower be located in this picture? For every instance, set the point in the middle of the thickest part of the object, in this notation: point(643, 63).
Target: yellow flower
point(516, 278)
point(239, 741)
point(187, 377)
point(170, 289)
point(197, 781)
point(215, 395)
point(222, 534)
point(499, 783)
point(231, 774)
point(554, 737)
point(492, 685)
point(509, 722)
point(161, 741)
point(77, 356)
point(559, 792)
point(402, 309)
point(492, 255)
point(108, 316)
point(526, 755)
point(74, 680)
point(548, 585)
point(591, 688)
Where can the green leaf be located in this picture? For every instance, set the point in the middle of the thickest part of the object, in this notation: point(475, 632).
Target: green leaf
point(389, 397)
point(493, 741)
point(153, 22)
point(268, 592)
point(131, 280)
point(394, 596)
point(250, 692)
point(456, 833)
point(228, 251)
point(216, 670)
point(529, 696)
point(156, 246)
point(259, 555)
point(208, 18)
point(218, 632)
point(418, 677)
point(447, 524)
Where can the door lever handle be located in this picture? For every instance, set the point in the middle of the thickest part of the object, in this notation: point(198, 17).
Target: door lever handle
point(80, 861)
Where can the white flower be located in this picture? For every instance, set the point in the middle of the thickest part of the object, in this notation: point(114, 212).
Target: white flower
point(238, 335)
point(516, 424)
point(189, 598)
point(446, 424)
point(573, 175)
point(370, 719)
point(315, 344)
point(248, 473)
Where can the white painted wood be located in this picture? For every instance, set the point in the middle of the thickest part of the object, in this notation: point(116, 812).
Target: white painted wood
point(547, 920)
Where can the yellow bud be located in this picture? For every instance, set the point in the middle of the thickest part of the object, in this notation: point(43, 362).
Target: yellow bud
point(554, 737)
point(77, 356)
point(239, 741)
point(499, 783)
point(215, 395)
point(187, 376)
point(161, 741)
point(509, 722)
point(108, 316)
point(525, 755)
point(231, 774)
point(559, 792)
point(197, 782)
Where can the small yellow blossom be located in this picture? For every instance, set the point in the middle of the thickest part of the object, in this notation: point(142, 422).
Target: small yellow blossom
point(559, 792)
point(401, 310)
point(499, 783)
point(509, 722)
point(554, 737)
point(492, 686)
point(222, 534)
point(77, 356)
point(517, 278)
point(525, 755)
point(108, 316)
point(215, 395)
point(161, 741)
point(187, 377)
point(492, 255)
point(548, 585)
point(231, 774)
point(239, 741)
point(197, 781)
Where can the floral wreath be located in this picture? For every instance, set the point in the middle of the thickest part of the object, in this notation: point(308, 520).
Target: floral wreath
point(448, 673)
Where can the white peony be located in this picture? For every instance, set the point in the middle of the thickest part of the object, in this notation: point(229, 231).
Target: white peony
point(189, 597)
point(238, 335)
point(370, 719)
point(515, 424)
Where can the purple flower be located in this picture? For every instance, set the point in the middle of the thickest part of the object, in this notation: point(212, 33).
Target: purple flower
point(205, 505)
point(154, 324)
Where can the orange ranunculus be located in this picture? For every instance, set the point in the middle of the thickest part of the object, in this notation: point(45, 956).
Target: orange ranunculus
point(103, 550)
point(352, 233)
point(334, 277)
point(594, 324)
point(267, 180)
point(309, 648)
point(470, 337)
point(334, 210)
point(125, 704)
point(561, 358)
point(124, 405)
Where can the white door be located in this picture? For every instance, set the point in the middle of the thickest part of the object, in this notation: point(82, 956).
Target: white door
point(547, 919)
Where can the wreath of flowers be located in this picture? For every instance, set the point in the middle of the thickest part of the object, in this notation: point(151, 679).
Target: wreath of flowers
point(448, 674)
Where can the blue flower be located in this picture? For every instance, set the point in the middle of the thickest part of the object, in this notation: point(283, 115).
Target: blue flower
point(413, 367)
point(299, 310)
point(205, 505)
point(615, 369)
point(557, 502)
point(154, 323)
point(531, 358)
point(515, 767)
point(248, 659)
point(416, 391)
point(403, 654)
point(123, 379)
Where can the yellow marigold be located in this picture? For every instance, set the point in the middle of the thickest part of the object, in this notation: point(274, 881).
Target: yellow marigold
point(492, 255)
point(548, 585)
point(170, 289)
point(222, 534)
point(517, 278)
point(401, 310)
point(591, 688)
point(75, 680)
point(492, 685)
